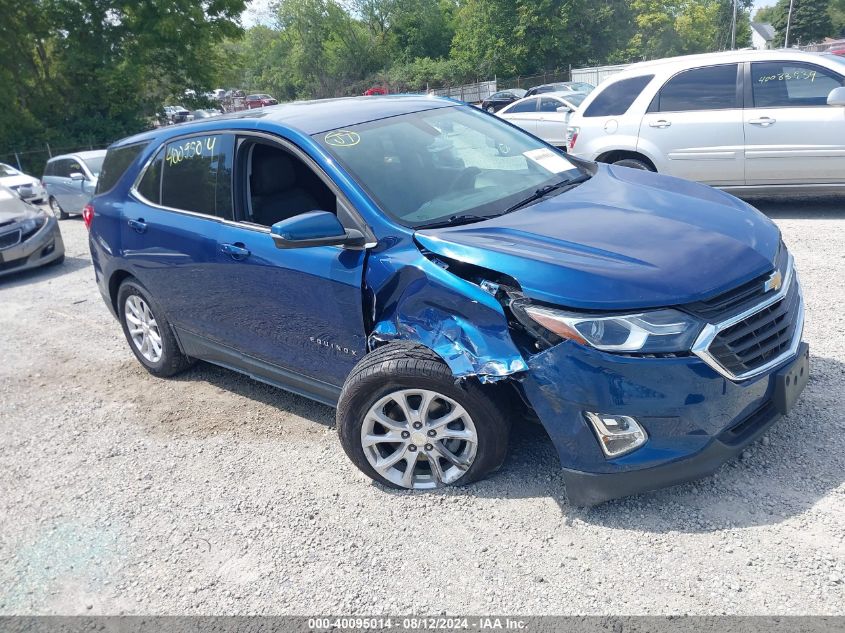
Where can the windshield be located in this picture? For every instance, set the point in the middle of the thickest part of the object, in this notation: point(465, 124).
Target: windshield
point(427, 167)
point(95, 165)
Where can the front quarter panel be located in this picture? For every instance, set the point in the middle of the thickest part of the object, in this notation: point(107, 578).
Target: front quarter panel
point(415, 299)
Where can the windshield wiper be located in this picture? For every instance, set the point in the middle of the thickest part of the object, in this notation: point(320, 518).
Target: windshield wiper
point(542, 192)
point(455, 220)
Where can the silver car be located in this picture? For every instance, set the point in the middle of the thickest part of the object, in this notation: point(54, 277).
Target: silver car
point(27, 187)
point(70, 181)
point(29, 236)
point(745, 121)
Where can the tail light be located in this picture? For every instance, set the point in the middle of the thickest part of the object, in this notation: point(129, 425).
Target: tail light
point(88, 215)
point(572, 136)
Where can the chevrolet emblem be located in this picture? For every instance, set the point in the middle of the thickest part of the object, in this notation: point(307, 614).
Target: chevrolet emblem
point(774, 282)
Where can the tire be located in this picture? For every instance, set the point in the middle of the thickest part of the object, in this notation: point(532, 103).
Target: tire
point(57, 209)
point(398, 370)
point(170, 360)
point(634, 163)
point(491, 109)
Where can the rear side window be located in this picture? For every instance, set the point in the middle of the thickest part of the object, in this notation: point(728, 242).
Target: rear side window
point(791, 84)
point(196, 175)
point(150, 185)
point(529, 105)
point(616, 98)
point(115, 164)
point(712, 88)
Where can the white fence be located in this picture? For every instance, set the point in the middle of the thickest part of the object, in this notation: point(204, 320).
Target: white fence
point(596, 74)
point(471, 93)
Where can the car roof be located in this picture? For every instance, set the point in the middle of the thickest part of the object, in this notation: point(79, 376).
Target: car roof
point(96, 153)
point(686, 61)
point(310, 117)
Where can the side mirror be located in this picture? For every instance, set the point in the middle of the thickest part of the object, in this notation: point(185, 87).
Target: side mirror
point(836, 97)
point(77, 176)
point(315, 228)
point(564, 108)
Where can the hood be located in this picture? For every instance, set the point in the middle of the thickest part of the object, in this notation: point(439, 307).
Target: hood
point(624, 239)
point(13, 209)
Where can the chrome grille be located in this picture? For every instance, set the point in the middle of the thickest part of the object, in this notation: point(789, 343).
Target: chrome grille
point(12, 238)
point(761, 337)
point(758, 338)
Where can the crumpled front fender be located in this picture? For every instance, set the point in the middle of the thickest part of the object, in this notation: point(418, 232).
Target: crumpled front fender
point(415, 299)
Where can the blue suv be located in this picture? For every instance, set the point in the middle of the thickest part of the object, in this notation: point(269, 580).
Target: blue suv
point(434, 272)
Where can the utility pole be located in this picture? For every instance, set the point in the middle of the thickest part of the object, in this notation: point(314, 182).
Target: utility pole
point(788, 22)
point(733, 27)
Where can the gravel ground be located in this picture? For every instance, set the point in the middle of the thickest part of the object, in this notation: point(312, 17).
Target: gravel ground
point(211, 493)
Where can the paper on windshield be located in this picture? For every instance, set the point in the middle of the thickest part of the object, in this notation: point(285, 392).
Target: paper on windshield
point(549, 160)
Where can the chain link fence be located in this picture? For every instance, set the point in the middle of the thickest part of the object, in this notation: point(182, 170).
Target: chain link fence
point(32, 161)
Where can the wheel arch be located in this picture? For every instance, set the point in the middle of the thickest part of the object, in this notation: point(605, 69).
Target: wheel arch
point(117, 277)
point(618, 154)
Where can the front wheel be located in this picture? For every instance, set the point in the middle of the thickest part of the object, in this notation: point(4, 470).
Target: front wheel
point(148, 332)
point(491, 109)
point(57, 209)
point(404, 422)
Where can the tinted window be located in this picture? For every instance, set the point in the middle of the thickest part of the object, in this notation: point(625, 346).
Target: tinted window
point(61, 168)
point(529, 105)
point(712, 88)
point(150, 185)
point(549, 105)
point(197, 175)
point(617, 97)
point(116, 163)
point(791, 84)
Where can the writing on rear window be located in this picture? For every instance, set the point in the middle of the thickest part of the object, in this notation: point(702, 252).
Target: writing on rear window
point(190, 149)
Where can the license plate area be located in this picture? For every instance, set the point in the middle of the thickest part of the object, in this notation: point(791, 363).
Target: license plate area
point(791, 380)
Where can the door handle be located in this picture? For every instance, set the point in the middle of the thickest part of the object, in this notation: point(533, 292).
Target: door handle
point(139, 226)
point(236, 251)
point(763, 121)
point(662, 123)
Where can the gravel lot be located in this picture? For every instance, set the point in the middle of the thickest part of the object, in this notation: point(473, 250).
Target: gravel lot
point(211, 493)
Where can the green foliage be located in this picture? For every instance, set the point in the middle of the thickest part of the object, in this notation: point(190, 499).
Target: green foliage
point(811, 21)
point(91, 71)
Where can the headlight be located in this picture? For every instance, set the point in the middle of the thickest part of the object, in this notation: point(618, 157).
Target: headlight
point(31, 225)
point(645, 332)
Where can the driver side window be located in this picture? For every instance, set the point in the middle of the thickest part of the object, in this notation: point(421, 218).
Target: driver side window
point(278, 185)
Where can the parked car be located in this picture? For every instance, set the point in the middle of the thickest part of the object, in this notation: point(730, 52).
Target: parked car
point(746, 121)
point(26, 187)
point(545, 116)
point(204, 114)
point(177, 114)
point(499, 100)
point(561, 86)
point(70, 181)
point(29, 236)
point(382, 256)
point(259, 101)
point(375, 91)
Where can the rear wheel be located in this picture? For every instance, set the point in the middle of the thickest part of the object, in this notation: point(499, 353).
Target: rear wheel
point(404, 422)
point(491, 109)
point(57, 209)
point(148, 332)
point(634, 163)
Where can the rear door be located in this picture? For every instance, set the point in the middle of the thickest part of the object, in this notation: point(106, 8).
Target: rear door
point(170, 227)
point(524, 114)
point(695, 124)
point(791, 135)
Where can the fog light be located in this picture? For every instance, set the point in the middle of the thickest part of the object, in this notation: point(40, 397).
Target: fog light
point(617, 434)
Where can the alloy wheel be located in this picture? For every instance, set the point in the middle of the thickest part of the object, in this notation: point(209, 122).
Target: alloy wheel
point(143, 328)
point(418, 438)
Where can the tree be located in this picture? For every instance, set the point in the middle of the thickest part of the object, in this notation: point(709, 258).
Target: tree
point(810, 21)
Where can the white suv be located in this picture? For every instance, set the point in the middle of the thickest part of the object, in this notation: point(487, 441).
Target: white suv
point(747, 121)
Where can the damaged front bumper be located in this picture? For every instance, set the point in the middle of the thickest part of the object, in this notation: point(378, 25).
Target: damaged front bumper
point(695, 418)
